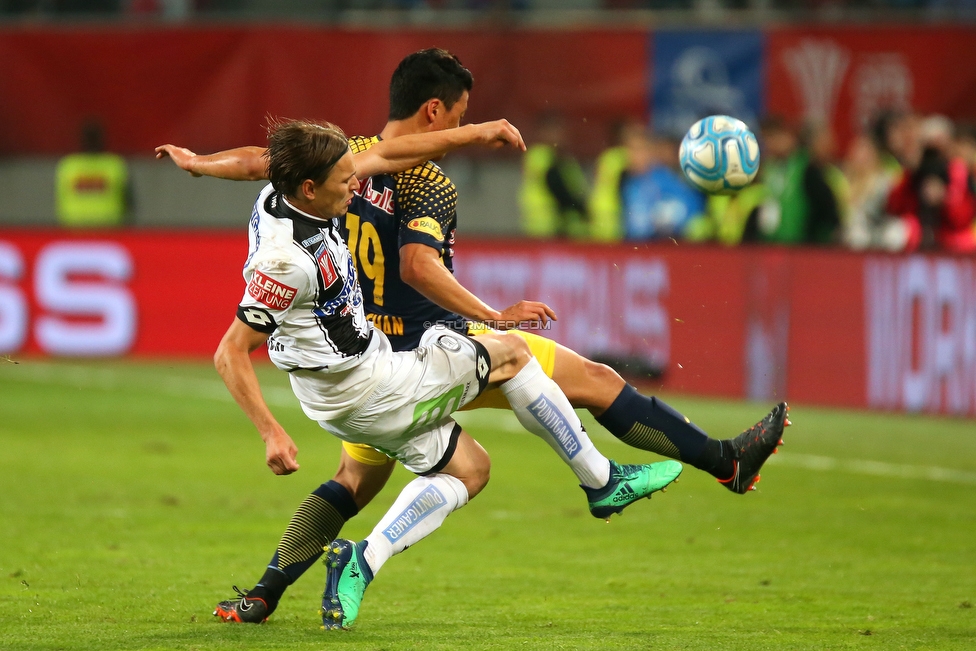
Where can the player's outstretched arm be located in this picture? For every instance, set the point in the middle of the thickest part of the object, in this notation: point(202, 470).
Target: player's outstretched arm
point(422, 269)
point(240, 164)
point(233, 362)
point(402, 153)
point(385, 157)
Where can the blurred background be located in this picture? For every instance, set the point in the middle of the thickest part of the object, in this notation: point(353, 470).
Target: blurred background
point(843, 276)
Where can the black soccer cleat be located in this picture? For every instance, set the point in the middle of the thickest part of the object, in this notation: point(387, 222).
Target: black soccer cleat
point(243, 609)
point(751, 449)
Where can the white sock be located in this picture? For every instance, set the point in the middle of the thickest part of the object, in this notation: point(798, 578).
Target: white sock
point(422, 507)
point(543, 409)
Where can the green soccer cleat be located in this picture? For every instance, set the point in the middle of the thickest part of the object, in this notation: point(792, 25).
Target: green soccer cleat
point(346, 581)
point(628, 484)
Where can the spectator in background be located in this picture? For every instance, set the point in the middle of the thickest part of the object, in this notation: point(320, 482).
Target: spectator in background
point(92, 187)
point(869, 226)
point(605, 205)
point(934, 195)
point(657, 201)
point(805, 193)
point(892, 132)
point(553, 194)
point(965, 146)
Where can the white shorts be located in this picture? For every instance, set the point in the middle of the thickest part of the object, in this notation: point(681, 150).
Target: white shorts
point(408, 416)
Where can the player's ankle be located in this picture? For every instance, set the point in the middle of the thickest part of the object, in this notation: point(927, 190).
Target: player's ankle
point(716, 459)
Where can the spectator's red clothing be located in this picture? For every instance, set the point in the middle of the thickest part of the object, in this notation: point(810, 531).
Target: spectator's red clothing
point(955, 229)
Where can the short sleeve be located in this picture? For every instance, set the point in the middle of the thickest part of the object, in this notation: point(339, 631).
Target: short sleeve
point(272, 291)
point(427, 203)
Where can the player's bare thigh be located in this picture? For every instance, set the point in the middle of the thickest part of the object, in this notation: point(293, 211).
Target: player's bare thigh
point(586, 383)
point(509, 353)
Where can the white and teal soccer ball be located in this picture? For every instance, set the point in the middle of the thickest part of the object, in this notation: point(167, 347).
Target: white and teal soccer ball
point(719, 154)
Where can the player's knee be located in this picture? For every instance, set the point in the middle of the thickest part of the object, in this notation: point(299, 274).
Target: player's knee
point(603, 375)
point(517, 350)
point(478, 475)
point(471, 465)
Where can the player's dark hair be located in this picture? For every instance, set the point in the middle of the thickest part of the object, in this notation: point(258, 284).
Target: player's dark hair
point(422, 76)
point(300, 150)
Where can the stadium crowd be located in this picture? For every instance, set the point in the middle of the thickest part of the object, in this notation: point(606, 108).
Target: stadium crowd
point(187, 9)
point(906, 183)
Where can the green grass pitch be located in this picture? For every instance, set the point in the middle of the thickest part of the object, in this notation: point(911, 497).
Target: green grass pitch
point(134, 496)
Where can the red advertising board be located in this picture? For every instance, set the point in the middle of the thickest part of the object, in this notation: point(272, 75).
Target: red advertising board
point(844, 76)
point(819, 326)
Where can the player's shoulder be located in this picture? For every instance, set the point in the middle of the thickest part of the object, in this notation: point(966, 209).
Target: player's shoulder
point(425, 178)
point(359, 144)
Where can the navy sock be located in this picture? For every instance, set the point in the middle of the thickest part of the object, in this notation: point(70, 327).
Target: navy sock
point(651, 424)
point(315, 524)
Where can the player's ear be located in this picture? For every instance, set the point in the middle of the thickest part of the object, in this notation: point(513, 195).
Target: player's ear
point(308, 189)
point(432, 109)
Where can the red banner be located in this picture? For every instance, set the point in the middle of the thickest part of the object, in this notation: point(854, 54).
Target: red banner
point(212, 88)
point(818, 326)
point(844, 76)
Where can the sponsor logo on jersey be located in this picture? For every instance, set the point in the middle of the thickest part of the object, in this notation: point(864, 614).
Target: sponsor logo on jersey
point(425, 504)
point(329, 273)
point(556, 424)
point(318, 237)
point(270, 292)
point(426, 225)
point(382, 200)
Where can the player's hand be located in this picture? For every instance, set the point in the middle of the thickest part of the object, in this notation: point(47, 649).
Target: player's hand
point(183, 157)
point(281, 453)
point(500, 133)
point(527, 311)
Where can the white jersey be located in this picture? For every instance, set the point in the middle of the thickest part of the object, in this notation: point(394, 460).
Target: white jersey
point(303, 291)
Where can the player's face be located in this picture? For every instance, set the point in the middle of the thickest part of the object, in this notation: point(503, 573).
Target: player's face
point(451, 119)
point(335, 193)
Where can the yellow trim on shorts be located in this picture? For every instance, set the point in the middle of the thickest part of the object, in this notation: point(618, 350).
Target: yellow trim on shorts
point(365, 454)
point(542, 349)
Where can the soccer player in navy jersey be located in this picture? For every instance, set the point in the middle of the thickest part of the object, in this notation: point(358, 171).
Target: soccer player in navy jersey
point(401, 233)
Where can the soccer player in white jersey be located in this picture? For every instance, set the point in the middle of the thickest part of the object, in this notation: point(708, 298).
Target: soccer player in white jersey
point(304, 302)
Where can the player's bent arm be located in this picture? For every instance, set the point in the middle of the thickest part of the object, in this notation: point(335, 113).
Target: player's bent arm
point(240, 164)
point(422, 269)
point(405, 152)
point(233, 362)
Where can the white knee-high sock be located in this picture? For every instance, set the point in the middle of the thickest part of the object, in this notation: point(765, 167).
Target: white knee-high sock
point(543, 409)
point(422, 507)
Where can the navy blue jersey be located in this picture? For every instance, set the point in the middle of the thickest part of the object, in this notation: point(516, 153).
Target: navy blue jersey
point(418, 206)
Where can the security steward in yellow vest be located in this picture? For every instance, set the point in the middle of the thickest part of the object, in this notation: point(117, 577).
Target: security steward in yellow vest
point(92, 187)
point(553, 194)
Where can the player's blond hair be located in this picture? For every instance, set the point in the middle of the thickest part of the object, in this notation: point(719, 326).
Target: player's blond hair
point(300, 150)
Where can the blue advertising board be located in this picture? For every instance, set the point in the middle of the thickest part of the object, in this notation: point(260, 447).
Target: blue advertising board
point(697, 73)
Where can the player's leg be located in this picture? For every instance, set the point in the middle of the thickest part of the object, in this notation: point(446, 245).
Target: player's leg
point(648, 423)
point(421, 508)
point(318, 520)
point(544, 410)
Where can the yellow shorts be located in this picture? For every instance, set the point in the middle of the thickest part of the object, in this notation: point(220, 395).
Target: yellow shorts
point(542, 349)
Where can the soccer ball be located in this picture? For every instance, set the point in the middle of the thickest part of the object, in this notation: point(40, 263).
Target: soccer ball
point(719, 154)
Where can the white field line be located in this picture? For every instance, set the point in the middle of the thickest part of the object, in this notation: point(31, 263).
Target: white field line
point(86, 377)
point(876, 468)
